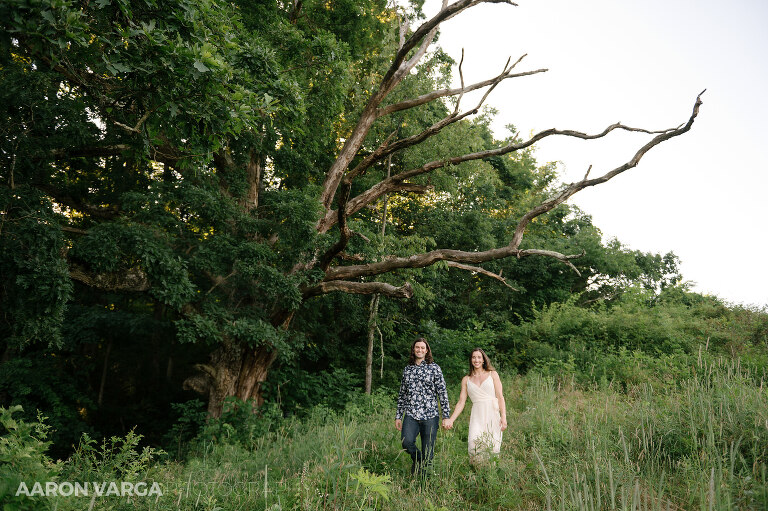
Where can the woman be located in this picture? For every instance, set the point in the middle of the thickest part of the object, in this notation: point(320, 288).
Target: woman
point(488, 417)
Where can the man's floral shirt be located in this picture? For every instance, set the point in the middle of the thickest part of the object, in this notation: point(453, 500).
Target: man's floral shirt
point(420, 388)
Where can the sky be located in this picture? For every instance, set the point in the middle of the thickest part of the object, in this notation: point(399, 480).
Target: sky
point(643, 62)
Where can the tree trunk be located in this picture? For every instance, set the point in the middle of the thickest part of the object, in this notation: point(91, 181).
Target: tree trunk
point(100, 399)
point(253, 372)
point(374, 307)
point(232, 371)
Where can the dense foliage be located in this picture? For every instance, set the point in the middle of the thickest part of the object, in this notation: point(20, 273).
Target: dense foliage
point(161, 164)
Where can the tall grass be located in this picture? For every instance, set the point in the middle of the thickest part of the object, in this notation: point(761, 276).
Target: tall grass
point(700, 444)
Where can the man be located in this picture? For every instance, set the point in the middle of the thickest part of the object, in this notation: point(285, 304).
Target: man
point(421, 386)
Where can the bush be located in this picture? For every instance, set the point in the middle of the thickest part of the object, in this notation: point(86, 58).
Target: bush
point(22, 459)
point(242, 422)
point(116, 459)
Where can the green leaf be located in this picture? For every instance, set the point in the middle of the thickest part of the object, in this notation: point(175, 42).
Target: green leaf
point(201, 67)
point(48, 15)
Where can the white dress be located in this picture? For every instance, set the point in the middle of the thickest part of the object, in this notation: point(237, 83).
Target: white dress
point(485, 418)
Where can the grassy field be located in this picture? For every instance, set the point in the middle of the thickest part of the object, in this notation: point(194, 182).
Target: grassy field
point(696, 444)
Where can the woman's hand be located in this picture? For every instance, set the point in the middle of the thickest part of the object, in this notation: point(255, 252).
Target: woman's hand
point(447, 423)
point(503, 423)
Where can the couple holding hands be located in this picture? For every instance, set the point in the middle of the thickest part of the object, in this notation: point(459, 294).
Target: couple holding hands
point(421, 387)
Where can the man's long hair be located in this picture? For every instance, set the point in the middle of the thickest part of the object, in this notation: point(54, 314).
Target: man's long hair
point(427, 358)
point(486, 362)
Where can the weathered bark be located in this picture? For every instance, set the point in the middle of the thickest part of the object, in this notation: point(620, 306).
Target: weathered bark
point(253, 372)
point(254, 171)
point(232, 371)
point(218, 379)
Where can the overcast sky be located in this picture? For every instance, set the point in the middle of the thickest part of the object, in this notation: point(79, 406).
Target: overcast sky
point(643, 62)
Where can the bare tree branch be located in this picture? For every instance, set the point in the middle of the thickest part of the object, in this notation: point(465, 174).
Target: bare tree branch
point(351, 257)
point(344, 231)
point(383, 187)
point(137, 128)
point(377, 190)
point(461, 80)
point(399, 68)
point(403, 30)
point(565, 259)
point(73, 230)
point(385, 149)
point(430, 258)
point(442, 93)
point(585, 182)
point(482, 271)
point(360, 288)
point(165, 154)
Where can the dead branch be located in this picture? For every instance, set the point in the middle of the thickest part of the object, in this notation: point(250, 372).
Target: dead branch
point(344, 232)
point(403, 30)
point(386, 149)
point(361, 235)
point(217, 280)
point(585, 182)
point(351, 257)
point(442, 93)
point(429, 258)
point(565, 259)
point(461, 80)
point(482, 271)
point(137, 127)
point(361, 288)
point(73, 230)
point(398, 70)
point(377, 190)
point(383, 187)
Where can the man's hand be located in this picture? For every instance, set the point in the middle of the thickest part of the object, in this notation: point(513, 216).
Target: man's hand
point(447, 423)
point(399, 424)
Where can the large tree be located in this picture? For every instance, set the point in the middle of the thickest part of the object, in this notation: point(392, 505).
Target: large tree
point(213, 166)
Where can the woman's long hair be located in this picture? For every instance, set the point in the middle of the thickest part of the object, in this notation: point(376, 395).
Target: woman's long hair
point(427, 358)
point(486, 362)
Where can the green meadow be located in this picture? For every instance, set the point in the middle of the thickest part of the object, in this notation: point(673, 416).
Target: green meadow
point(697, 443)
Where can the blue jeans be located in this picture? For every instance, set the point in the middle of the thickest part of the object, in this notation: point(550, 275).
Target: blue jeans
point(427, 428)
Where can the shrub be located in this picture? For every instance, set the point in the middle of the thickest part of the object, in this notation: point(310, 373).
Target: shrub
point(23, 458)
